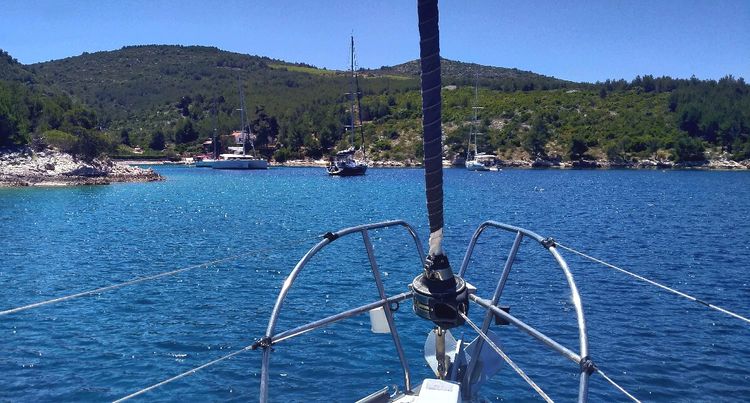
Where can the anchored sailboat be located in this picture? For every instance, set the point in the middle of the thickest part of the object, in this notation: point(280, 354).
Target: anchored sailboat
point(240, 159)
point(344, 163)
point(475, 160)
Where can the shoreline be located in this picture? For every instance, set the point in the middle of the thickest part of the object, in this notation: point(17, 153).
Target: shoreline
point(710, 165)
point(51, 168)
point(714, 164)
point(17, 181)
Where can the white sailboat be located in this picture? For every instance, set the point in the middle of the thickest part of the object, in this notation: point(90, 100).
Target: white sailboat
point(241, 160)
point(474, 160)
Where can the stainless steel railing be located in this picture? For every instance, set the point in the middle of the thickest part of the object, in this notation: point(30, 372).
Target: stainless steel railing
point(385, 302)
point(582, 358)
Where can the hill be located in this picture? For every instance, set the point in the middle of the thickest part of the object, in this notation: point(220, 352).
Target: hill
point(498, 78)
point(145, 89)
point(32, 113)
point(12, 70)
point(162, 98)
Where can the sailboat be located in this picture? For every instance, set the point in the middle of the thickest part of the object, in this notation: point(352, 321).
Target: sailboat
point(241, 160)
point(473, 160)
point(344, 162)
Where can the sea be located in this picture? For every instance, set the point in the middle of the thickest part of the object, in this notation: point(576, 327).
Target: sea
point(238, 234)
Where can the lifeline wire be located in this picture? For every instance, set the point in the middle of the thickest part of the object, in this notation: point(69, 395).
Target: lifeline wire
point(133, 281)
point(507, 359)
point(664, 287)
point(526, 378)
point(613, 383)
point(184, 374)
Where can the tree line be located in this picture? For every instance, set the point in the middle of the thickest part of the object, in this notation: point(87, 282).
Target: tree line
point(168, 100)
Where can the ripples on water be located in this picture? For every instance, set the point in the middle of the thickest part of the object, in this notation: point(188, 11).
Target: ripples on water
point(687, 229)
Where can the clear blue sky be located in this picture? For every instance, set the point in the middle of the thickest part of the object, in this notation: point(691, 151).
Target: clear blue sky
point(574, 40)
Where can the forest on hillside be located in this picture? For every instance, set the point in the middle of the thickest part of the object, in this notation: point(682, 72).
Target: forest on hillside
point(167, 100)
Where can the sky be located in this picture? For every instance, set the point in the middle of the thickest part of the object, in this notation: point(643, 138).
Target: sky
point(576, 40)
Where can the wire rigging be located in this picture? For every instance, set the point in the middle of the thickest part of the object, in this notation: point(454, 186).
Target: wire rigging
point(652, 282)
point(507, 359)
point(618, 387)
point(528, 380)
point(138, 280)
point(184, 374)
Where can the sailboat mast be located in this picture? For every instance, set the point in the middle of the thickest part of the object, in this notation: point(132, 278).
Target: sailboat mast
point(353, 91)
point(474, 126)
point(242, 116)
point(474, 122)
point(216, 124)
point(243, 121)
point(359, 103)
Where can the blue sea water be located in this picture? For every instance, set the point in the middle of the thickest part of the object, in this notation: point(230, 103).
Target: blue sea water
point(687, 229)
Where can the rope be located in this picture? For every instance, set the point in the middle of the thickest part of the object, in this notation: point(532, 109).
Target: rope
point(507, 359)
point(134, 281)
point(182, 375)
point(613, 383)
point(664, 287)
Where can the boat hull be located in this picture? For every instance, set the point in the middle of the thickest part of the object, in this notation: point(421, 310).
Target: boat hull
point(204, 163)
point(240, 164)
point(347, 171)
point(476, 166)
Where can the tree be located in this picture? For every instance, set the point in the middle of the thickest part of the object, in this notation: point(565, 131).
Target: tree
point(281, 155)
point(578, 148)
point(265, 127)
point(184, 105)
point(689, 149)
point(536, 138)
point(10, 133)
point(648, 83)
point(78, 117)
point(125, 137)
point(185, 132)
point(65, 142)
point(91, 144)
point(157, 141)
point(615, 151)
point(312, 147)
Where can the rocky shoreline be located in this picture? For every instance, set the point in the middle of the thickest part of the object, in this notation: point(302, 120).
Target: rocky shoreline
point(26, 167)
point(324, 163)
point(718, 164)
point(714, 164)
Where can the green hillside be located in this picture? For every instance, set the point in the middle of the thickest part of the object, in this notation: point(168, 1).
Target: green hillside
point(161, 99)
point(497, 78)
point(35, 114)
point(149, 89)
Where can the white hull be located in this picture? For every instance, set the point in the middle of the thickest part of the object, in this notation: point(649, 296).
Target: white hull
point(240, 164)
point(476, 166)
point(204, 163)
